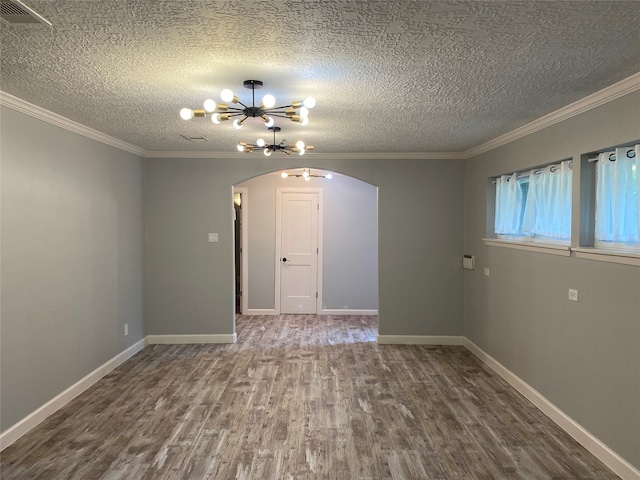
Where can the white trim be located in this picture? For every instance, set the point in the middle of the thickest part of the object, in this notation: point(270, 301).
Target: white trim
point(316, 155)
point(562, 250)
point(608, 94)
point(346, 311)
point(419, 340)
point(190, 339)
point(32, 420)
point(624, 258)
point(244, 257)
point(257, 311)
point(607, 456)
point(40, 113)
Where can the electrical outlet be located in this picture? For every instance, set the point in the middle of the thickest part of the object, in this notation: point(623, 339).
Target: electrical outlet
point(213, 237)
point(573, 294)
point(126, 329)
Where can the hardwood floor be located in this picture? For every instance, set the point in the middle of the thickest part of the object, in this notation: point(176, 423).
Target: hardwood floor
point(300, 397)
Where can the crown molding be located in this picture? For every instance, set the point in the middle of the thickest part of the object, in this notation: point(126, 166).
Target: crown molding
point(607, 94)
point(40, 113)
point(316, 155)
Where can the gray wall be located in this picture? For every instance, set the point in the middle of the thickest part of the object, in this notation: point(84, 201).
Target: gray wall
point(349, 244)
point(584, 357)
point(190, 282)
point(72, 259)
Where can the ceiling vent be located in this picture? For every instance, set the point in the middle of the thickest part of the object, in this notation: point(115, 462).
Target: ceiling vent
point(14, 11)
point(198, 139)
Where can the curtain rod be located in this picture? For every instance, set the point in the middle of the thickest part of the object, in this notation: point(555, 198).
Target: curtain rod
point(612, 156)
point(536, 171)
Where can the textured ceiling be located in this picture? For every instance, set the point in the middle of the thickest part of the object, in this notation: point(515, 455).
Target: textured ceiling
point(388, 76)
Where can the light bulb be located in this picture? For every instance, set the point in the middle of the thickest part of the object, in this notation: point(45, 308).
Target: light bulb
point(328, 176)
point(269, 101)
point(186, 114)
point(240, 147)
point(305, 174)
point(307, 178)
point(215, 118)
point(304, 112)
point(284, 174)
point(260, 142)
point(267, 152)
point(304, 121)
point(226, 95)
point(301, 152)
point(270, 122)
point(309, 102)
point(300, 145)
point(237, 124)
point(210, 105)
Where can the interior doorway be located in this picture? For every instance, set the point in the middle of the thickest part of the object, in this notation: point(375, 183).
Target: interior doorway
point(347, 272)
point(298, 250)
point(240, 239)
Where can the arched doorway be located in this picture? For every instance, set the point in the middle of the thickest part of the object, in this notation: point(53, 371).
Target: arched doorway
point(348, 249)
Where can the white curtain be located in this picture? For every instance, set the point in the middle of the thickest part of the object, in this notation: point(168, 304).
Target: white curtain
point(548, 207)
point(618, 196)
point(508, 205)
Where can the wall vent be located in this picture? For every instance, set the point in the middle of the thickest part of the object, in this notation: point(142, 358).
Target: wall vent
point(14, 11)
point(199, 138)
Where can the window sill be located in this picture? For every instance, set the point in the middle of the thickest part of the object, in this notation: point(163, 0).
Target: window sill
point(598, 254)
point(612, 256)
point(549, 248)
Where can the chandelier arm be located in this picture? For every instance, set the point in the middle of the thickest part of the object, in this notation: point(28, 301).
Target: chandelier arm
point(242, 105)
point(279, 108)
point(275, 115)
point(233, 109)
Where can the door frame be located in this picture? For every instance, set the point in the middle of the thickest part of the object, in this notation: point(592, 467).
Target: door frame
point(244, 245)
point(279, 192)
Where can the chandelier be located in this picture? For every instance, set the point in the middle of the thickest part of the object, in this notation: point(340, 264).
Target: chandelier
point(296, 112)
point(306, 174)
point(299, 147)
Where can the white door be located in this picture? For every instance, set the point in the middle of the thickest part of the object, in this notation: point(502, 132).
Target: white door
point(298, 259)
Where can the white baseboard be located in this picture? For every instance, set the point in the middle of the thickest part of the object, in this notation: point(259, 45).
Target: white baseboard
point(419, 340)
point(617, 464)
point(257, 311)
point(182, 339)
point(346, 311)
point(32, 420)
point(332, 311)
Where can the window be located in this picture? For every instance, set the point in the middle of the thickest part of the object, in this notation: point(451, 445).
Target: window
point(617, 224)
point(535, 205)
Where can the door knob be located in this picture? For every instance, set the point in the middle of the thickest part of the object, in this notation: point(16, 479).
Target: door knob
point(284, 259)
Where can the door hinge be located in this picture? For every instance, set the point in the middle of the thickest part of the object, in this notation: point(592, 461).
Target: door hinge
point(316, 294)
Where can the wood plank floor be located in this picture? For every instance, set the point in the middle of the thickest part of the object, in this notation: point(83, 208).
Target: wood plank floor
point(300, 397)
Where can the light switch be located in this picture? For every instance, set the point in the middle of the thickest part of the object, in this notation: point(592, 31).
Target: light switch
point(486, 272)
point(213, 237)
point(573, 294)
